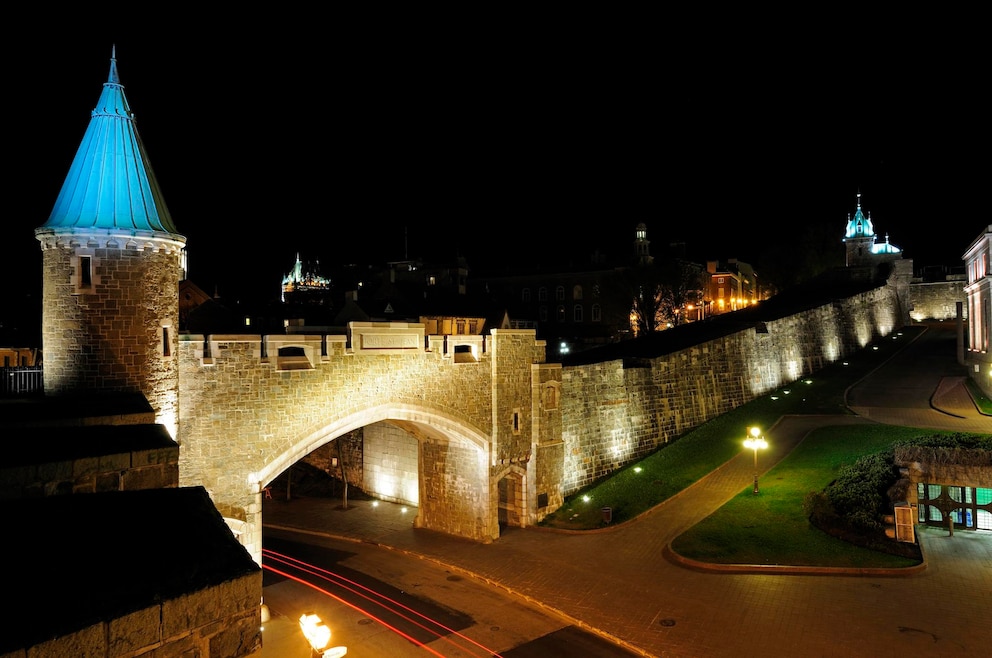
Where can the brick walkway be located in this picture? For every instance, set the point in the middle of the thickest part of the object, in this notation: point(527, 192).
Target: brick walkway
point(617, 582)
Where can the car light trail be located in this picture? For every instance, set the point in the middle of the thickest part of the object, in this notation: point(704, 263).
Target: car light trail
point(390, 605)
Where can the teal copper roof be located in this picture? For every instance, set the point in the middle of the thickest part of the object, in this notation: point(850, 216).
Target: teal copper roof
point(861, 227)
point(110, 186)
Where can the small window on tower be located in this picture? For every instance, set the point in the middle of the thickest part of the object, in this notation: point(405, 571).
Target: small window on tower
point(85, 278)
point(85, 272)
point(166, 343)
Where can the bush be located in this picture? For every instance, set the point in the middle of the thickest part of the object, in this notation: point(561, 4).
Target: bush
point(860, 492)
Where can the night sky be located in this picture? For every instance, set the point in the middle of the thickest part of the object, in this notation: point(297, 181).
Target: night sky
point(508, 139)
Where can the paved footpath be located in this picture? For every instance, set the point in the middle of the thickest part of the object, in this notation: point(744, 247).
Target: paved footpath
point(617, 582)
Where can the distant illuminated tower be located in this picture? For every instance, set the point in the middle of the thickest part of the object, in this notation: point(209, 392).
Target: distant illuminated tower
point(112, 262)
point(860, 240)
point(642, 251)
point(305, 284)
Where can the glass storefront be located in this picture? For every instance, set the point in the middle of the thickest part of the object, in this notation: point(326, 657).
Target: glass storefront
point(970, 507)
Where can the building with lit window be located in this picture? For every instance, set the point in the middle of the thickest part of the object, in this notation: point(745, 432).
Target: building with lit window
point(978, 292)
point(730, 286)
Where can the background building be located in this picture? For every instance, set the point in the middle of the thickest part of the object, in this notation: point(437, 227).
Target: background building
point(978, 354)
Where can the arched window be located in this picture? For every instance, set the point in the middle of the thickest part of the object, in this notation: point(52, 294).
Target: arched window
point(525, 295)
point(577, 313)
point(597, 313)
point(542, 314)
point(542, 294)
point(561, 314)
point(560, 293)
point(577, 292)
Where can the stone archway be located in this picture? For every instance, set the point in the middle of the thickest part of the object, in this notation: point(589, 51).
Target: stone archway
point(452, 470)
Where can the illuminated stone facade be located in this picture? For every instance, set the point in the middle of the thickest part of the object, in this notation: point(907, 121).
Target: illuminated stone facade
point(247, 414)
point(117, 332)
point(502, 437)
point(937, 300)
point(613, 415)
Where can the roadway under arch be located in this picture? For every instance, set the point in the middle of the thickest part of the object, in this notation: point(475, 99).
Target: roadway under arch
point(455, 493)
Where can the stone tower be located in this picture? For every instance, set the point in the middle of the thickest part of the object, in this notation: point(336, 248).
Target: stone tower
point(642, 246)
point(112, 262)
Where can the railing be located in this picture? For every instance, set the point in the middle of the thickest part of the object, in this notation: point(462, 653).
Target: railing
point(21, 381)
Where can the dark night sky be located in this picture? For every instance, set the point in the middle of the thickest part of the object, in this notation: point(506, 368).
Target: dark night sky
point(497, 139)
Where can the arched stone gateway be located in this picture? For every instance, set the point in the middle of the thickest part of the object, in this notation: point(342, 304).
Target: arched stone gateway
point(250, 408)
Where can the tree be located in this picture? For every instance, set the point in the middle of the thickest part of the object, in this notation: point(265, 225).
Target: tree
point(644, 287)
point(679, 284)
point(661, 290)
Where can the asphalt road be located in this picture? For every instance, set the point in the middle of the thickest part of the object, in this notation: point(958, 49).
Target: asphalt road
point(379, 602)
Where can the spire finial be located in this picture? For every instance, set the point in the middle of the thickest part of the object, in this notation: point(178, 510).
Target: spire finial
point(113, 78)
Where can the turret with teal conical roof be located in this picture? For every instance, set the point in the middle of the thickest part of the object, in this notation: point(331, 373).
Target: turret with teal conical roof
point(861, 244)
point(112, 263)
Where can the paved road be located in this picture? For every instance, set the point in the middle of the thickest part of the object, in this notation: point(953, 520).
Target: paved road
point(617, 582)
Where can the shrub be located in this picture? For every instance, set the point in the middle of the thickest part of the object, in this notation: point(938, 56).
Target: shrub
point(860, 492)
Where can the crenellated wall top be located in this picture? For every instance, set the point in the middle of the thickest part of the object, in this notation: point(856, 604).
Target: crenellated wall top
point(301, 351)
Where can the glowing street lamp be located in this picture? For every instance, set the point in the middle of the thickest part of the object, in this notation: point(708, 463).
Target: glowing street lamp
point(319, 636)
point(754, 442)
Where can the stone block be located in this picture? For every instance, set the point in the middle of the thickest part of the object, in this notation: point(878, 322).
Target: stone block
point(136, 631)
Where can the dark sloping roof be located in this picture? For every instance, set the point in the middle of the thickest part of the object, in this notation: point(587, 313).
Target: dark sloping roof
point(98, 556)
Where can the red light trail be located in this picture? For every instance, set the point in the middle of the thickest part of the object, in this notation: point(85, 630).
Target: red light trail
point(375, 599)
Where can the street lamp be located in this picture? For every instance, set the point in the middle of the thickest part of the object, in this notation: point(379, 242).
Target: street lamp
point(754, 442)
point(319, 636)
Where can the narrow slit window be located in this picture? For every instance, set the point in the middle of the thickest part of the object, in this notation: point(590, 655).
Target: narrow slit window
point(166, 347)
point(85, 272)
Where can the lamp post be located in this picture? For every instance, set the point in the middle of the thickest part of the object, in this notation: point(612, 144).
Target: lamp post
point(754, 442)
point(319, 636)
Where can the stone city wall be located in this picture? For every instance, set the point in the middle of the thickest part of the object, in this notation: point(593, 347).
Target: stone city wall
point(613, 413)
point(937, 300)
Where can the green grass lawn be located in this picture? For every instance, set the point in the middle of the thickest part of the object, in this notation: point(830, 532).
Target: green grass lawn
point(770, 528)
point(982, 401)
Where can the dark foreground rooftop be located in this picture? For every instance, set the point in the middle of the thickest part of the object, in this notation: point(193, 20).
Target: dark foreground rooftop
point(81, 559)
